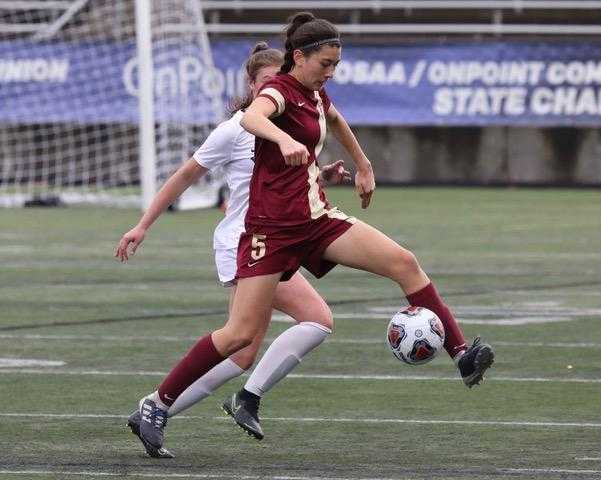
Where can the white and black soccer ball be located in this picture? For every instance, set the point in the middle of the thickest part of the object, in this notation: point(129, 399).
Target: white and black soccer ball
point(415, 335)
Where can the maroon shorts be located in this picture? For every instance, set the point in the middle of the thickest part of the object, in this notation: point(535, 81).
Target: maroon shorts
point(265, 250)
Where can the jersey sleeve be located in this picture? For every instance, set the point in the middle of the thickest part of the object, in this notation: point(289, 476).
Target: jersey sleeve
point(277, 94)
point(217, 148)
point(325, 99)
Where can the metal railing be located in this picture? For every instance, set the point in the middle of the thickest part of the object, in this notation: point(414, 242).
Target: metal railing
point(403, 28)
point(497, 25)
point(377, 5)
point(34, 5)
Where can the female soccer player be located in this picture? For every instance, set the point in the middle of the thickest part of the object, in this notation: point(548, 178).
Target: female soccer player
point(290, 223)
point(230, 146)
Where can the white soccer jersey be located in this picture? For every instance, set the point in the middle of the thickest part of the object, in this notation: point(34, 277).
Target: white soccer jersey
point(231, 147)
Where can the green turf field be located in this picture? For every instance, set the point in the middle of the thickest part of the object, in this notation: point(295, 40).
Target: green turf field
point(520, 267)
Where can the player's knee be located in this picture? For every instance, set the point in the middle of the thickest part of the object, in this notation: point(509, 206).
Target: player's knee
point(244, 338)
point(317, 312)
point(238, 339)
point(244, 358)
point(403, 264)
point(326, 318)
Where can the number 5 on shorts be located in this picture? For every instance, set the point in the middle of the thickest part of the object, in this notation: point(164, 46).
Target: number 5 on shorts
point(258, 247)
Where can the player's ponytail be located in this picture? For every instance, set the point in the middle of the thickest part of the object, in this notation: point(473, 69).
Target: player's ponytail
point(308, 34)
point(260, 57)
point(259, 47)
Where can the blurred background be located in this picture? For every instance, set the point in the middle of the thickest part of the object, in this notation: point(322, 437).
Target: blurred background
point(101, 100)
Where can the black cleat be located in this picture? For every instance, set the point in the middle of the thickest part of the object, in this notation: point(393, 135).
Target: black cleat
point(245, 413)
point(475, 361)
point(133, 422)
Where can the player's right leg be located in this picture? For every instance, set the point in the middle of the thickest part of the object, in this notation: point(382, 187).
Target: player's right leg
point(238, 363)
point(204, 386)
point(297, 298)
point(250, 314)
point(230, 368)
point(366, 248)
point(225, 261)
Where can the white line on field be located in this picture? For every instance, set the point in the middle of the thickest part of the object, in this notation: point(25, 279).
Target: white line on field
point(176, 475)
point(304, 376)
point(508, 322)
point(588, 459)
point(519, 310)
point(342, 341)
point(109, 338)
point(503, 423)
point(430, 378)
point(546, 471)
point(28, 362)
point(90, 473)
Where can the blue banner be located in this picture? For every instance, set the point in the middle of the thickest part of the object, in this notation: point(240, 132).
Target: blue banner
point(538, 84)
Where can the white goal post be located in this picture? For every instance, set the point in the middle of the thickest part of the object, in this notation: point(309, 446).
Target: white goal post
point(101, 100)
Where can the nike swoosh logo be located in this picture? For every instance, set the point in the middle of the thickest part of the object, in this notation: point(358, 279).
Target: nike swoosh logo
point(301, 104)
point(253, 263)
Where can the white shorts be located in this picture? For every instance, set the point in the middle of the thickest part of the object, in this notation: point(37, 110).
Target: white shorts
point(225, 260)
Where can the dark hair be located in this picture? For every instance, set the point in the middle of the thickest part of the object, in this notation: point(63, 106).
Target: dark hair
point(260, 57)
point(308, 34)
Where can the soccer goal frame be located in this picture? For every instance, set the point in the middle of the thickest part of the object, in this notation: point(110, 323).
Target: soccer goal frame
point(81, 138)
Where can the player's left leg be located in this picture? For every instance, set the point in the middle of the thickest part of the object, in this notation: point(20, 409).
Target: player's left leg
point(366, 248)
point(297, 298)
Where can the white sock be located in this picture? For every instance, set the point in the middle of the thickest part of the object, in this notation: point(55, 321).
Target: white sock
point(154, 396)
point(284, 354)
point(205, 385)
point(458, 356)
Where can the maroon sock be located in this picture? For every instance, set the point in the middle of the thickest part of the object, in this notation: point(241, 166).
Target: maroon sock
point(428, 298)
point(199, 360)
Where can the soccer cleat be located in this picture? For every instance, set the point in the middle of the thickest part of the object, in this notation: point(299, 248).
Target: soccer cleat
point(475, 361)
point(245, 413)
point(133, 422)
point(147, 424)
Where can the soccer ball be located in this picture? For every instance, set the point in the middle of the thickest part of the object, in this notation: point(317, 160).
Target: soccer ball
point(415, 335)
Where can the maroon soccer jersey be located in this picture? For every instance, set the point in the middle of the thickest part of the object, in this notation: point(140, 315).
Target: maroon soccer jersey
point(283, 195)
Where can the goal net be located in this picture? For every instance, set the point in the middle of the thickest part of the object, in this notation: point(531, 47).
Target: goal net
point(69, 100)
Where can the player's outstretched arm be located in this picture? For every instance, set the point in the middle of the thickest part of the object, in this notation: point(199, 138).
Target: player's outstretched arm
point(256, 121)
point(364, 178)
point(189, 173)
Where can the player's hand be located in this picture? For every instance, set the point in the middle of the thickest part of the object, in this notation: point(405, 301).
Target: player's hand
point(365, 184)
point(294, 153)
point(335, 173)
point(129, 243)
